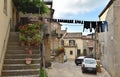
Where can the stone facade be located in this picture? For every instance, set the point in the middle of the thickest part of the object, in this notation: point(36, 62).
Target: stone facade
point(88, 46)
point(56, 39)
point(73, 45)
point(110, 41)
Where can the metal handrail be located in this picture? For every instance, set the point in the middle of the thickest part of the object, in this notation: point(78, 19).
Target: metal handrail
point(5, 40)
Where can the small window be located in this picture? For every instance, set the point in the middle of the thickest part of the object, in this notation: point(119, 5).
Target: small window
point(5, 7)
point(71, 52)
point(62, 42)
point(72, 42)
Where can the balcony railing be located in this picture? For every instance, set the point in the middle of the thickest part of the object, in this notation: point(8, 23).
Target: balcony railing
point(68, 45)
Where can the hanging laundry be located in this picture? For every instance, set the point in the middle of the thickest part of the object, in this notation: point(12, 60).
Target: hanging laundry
point(72, 21)
point(99, 24)
point(93, 24)
point(78, 22)
point(82, 22)
point(86, 25)
point(104, 26)
point(90, 27)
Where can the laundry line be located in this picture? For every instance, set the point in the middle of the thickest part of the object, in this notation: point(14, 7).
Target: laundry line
point(70, 21)
point(98, 26)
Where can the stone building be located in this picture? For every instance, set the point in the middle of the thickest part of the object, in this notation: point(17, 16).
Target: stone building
point(56, 36)
point(88, 45)
point(73, 45)
point(110, 40)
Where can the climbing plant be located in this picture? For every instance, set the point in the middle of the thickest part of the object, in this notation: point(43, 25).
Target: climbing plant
point(31, 6)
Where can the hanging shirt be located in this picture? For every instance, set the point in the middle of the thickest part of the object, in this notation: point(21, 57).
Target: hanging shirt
point(104, 26)
point(86, 25)
point(93, 25)
point(99, 23)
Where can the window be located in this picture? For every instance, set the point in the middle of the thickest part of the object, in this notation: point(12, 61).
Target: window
point(72, 42)
point(71, 52)
point(78, 52)
point(62, 42)
point(5, 7)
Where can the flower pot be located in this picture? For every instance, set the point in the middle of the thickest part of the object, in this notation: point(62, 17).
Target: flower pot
point(36, 44)
point(22, 43)
point(26, 49)
point(30, 52)
point(28, 44)
point(28, 60)
point(99, 70)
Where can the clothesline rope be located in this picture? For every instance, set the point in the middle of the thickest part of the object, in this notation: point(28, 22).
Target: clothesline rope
point(99, 26)
point(71, 21)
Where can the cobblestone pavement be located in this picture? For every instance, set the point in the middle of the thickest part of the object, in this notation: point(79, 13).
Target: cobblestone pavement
point(69, 69)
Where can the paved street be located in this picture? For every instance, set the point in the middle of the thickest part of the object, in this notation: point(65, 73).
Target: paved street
point(69, 69)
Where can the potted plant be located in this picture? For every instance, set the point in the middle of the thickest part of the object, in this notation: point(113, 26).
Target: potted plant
point(29, 41)
point(59, 50)
point(99, 67)
point(36, 25)
point(37, 39)
point(22, 39)
point(28, 60)
point(26, 49)
point(30, 51)
point(22, 29)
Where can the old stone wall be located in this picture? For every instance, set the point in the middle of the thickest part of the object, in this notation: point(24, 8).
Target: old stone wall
point(111, 39)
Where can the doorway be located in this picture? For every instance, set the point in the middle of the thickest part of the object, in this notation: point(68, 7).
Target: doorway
point(78, 52)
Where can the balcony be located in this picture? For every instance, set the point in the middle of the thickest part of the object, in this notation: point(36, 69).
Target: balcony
point(68, 45)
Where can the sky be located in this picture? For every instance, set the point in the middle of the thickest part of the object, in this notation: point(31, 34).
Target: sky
point(86, 10)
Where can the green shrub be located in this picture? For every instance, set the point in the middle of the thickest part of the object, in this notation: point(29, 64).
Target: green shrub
point(42, 73)
point(22, 37)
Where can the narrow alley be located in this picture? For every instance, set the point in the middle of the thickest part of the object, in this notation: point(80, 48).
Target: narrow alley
point(69, 69)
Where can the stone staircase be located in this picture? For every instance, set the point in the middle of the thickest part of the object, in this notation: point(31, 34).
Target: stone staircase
point(14, 62)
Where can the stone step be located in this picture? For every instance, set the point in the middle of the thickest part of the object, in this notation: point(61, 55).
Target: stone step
point(20, 61)
point(21, 52)
point(22, 56)
point(15, 47)
point(14, 34)
point(13, 39)
point(14, 61)
point(9, 47)
point(13, 43)
point(20, 72)
point(24, 76)
point(20, 66)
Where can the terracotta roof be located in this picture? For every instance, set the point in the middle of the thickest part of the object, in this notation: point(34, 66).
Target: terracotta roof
point(73, 35)
point(107, 6)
